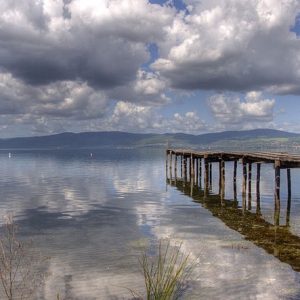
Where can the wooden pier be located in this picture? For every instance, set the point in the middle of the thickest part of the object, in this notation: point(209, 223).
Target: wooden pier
point(191, 173)
point(191, 163)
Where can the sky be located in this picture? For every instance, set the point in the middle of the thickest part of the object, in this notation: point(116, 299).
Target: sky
point(148, 66)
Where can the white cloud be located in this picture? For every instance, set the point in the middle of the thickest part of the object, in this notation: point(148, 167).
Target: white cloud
point(62, 62)
point(251, 112)
point(139, 118)
point(233, 45)
point(69, 99)
point(65, 60)
point(131, 116)
point(101, 42)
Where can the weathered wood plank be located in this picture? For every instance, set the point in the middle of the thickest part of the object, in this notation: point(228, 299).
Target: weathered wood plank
point(287, 160)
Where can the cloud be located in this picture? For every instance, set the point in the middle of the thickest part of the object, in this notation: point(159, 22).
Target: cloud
point(233, 46)
point(148, 88)
point(100, 42)
point(64, 61)
point(138, 118)
point(252, 111)
point(64, 64)
point(69, 99)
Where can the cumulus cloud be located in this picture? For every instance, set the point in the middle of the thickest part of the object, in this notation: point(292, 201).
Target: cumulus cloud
point(148, 88)
point(101, 42)
point(252, 111)
point(233, 45)
point(65, 63)
point(65, 60)
point(138, 118)
point(68, 99)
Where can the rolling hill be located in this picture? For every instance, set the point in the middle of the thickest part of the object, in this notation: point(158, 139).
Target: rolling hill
point(225, 139)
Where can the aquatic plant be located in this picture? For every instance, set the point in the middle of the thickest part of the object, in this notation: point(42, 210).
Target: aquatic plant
point(166, 273)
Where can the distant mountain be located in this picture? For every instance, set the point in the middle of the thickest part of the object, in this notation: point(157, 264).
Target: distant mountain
point(123, 139)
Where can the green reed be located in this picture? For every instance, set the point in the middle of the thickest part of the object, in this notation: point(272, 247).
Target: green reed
point(166, 273)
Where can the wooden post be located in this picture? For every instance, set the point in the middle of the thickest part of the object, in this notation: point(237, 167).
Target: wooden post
point(249, 178)
point(234, 172)
point(181, 162)
point(200, 173)
point(249, 186)
point(220, 177)
point(288, 209)
point(289, 186)
point(234, 180)
point(185, 167)
point(167, 158)
point(258, 166)
point(170, 166)
point(244, 177)
point(192, 171)
point(206, 174)
point(277, 193)
point(223, 178)
point(197, 171)
point(277, 183)
point(210, 175)
point(175, 166)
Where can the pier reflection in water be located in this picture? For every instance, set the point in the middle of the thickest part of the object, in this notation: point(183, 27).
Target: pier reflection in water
point(273, 237)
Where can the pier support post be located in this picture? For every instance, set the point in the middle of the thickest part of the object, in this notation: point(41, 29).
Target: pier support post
point(249, 186)
point(277, 183)
point(170, 166)
point(234, 180)
point(277, 192)
point(200, 173)
point(185, 167)
point(244, 177)
point(175, 166)
point(181, 162)
point(192, 171)
point(288, 209)
point(258, 167)
point(197, 171)
point(222, 179)
point(244, 185)
point(289, 185)
point(167, 158)
point(206, 170)
point(210, 175)
point(249, 178)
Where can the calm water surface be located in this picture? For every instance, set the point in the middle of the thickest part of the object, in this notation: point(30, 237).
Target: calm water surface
point(93, 214)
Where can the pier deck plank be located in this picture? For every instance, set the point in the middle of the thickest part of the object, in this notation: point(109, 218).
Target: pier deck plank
point(285, 160)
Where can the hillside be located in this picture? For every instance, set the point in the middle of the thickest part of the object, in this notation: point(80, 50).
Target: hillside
point(252, 138)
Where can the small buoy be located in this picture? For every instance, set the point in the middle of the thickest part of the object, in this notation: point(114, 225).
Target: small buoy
point(9, 155)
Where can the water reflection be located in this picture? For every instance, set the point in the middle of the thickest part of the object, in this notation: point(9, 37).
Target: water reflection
point(275, 239)
point(94, 215)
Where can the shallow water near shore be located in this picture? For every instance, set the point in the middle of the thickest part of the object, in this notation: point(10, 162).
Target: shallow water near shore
point(94, 211)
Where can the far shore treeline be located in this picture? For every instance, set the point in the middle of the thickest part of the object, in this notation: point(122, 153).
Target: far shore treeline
point(257, 139)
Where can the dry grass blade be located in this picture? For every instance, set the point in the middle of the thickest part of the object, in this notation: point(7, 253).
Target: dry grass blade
point(20, 267)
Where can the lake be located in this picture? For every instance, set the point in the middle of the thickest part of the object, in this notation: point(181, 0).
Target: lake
point(94, 211)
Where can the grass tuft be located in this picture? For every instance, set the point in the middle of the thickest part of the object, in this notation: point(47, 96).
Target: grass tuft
point(166, 273)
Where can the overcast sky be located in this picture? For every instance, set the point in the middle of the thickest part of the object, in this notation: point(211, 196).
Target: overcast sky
point(148, 66)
